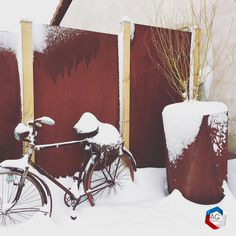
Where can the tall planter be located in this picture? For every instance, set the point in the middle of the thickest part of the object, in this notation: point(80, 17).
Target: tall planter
point(196, 143)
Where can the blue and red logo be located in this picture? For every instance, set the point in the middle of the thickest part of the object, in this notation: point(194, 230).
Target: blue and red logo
point(215, 218)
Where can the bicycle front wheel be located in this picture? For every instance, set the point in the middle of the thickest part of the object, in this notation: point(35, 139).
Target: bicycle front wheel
point(30, 200)
point(106, 181)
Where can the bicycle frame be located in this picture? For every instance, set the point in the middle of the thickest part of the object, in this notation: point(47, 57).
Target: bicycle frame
point(89, 157)
point(49, 176)
point(86, 160)
point(103, 168)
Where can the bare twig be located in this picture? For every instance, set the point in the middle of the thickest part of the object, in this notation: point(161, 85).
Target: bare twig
point(170, 48)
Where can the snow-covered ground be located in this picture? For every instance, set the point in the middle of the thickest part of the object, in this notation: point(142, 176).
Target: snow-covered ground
point(141, 208)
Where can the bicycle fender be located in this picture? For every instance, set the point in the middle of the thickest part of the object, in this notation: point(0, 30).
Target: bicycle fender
point(131, 157)
point(42, 182)
point(91, 161)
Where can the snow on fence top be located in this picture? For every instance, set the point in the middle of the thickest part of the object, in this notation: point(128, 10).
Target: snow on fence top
point(8, 41)
point(182, 123)
point(45, 36)
point(39, 37)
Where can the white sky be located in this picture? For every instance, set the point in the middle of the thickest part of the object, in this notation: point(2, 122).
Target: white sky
point(13, 11)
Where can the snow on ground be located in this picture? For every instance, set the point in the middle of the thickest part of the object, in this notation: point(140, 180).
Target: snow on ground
point(141, 208)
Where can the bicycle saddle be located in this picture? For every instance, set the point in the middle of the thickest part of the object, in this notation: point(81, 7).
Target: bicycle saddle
point(95, 131)
point(87, 126)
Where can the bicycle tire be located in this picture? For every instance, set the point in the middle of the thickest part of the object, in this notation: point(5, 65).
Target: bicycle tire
point(105, 182)
point(29, 203)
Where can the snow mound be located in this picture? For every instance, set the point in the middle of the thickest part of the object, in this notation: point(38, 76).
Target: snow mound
point(140, 208)
point(107, 134)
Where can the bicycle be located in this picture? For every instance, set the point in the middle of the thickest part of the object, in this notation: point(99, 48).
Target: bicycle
point(23, 192)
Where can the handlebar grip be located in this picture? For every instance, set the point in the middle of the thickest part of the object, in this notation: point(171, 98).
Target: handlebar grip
point(45, 120)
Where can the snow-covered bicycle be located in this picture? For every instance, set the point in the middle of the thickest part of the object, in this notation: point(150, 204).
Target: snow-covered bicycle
point(106, 162)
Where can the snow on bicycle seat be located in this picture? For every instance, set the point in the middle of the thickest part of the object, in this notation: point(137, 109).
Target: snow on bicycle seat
point(107, 135)
point(104, 134)
point(87, 126)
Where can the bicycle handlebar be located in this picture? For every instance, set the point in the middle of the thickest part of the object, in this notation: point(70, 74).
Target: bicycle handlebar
point(42, 120)
point(45, 120)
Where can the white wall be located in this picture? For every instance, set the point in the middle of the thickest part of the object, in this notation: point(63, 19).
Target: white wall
point(105, 15)
point(224, 83)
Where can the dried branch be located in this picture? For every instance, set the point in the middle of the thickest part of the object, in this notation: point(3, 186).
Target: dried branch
point(171, 47)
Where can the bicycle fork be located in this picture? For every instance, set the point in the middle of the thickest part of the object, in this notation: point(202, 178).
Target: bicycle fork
point(21, 184)
point(19, 190)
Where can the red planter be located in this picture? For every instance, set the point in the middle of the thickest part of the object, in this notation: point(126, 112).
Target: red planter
point(198, 171)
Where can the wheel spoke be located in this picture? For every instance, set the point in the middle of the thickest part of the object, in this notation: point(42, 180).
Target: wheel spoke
point(13, 221)
point(109, 180)
point(30, 200)
point(98, 185)
point(26, 198)
point(117, 166)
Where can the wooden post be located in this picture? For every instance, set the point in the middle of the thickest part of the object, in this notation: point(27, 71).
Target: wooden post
point(27, 72)
point(125, 80)
point(194, 63)
point(197, 43)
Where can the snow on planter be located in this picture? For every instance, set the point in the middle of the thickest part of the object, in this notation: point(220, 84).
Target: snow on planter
point(196, 142)
point(219, 122)
point(182, 122)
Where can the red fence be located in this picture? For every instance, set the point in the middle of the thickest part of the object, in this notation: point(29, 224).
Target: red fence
point(10, 105)
point(150, 93)
point(77, 72)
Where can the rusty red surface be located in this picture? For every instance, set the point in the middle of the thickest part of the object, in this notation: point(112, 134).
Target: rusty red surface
point(150, 93)
point(77, 72)
point(199, 172)
point(60, 12)
point(10, 104)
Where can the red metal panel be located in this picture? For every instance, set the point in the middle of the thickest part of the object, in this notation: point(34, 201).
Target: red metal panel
point(10, 105)
point(77, 72)
point(150, 93)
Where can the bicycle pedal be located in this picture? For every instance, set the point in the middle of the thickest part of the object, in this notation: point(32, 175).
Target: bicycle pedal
point(73, 215)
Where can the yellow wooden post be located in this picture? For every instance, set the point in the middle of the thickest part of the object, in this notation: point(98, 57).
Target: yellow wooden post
point(125, 54)
point(197, 44)
point(27, 72)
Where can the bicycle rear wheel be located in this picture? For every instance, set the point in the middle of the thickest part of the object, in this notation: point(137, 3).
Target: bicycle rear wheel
point(106, 181)
point(30, 200)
